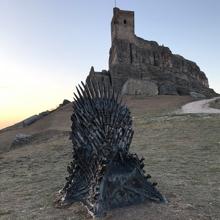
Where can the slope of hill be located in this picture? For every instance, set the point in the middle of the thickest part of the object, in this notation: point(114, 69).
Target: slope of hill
point(58, 121)
point(181, 151)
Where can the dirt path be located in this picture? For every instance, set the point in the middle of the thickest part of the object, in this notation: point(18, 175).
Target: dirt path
point(201, 106)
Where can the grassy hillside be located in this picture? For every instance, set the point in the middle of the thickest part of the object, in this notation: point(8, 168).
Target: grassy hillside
point(57, 121)
point(181, 151)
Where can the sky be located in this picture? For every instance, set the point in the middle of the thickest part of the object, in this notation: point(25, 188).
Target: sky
point(48, 46)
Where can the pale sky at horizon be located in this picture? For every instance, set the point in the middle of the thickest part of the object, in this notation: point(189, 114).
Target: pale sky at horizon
point(48, 46)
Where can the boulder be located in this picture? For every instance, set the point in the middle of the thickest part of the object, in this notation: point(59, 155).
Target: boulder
point(139, 87)
point(45, 113)
point(31, 120)
point(21, 139)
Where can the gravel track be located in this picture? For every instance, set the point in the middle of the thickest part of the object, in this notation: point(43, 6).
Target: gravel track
point(201, 106)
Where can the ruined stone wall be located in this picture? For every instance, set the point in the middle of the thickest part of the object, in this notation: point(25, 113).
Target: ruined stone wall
point(103, 77)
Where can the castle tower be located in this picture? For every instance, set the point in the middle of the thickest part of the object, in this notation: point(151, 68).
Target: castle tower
point(122, 25)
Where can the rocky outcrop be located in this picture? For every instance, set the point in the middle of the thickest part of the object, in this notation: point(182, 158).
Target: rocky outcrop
point(20, 140)
point(133, 59)
point(31, 120)
point(167, 89)
point(65, 102)
point(197, 95)
point(148, 61)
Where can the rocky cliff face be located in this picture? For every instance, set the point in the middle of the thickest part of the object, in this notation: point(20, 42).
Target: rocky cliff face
point(147, 61)
point(138, 66)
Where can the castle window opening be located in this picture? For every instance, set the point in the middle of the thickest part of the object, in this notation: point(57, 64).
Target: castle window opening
point(125, 21)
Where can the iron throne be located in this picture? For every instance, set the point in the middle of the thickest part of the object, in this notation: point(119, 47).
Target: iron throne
point(103, 174)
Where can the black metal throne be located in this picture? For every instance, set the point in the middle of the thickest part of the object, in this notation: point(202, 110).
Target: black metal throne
point(103, 174)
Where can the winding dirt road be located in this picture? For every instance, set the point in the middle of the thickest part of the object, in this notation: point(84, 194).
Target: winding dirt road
point(201, 106)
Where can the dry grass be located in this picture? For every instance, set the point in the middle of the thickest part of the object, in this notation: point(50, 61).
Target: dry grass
point(182, 155)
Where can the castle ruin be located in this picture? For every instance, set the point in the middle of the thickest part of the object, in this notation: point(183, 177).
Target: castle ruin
point(141, 67)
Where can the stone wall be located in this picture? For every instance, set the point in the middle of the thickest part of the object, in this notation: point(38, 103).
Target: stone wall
point(103, 77)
